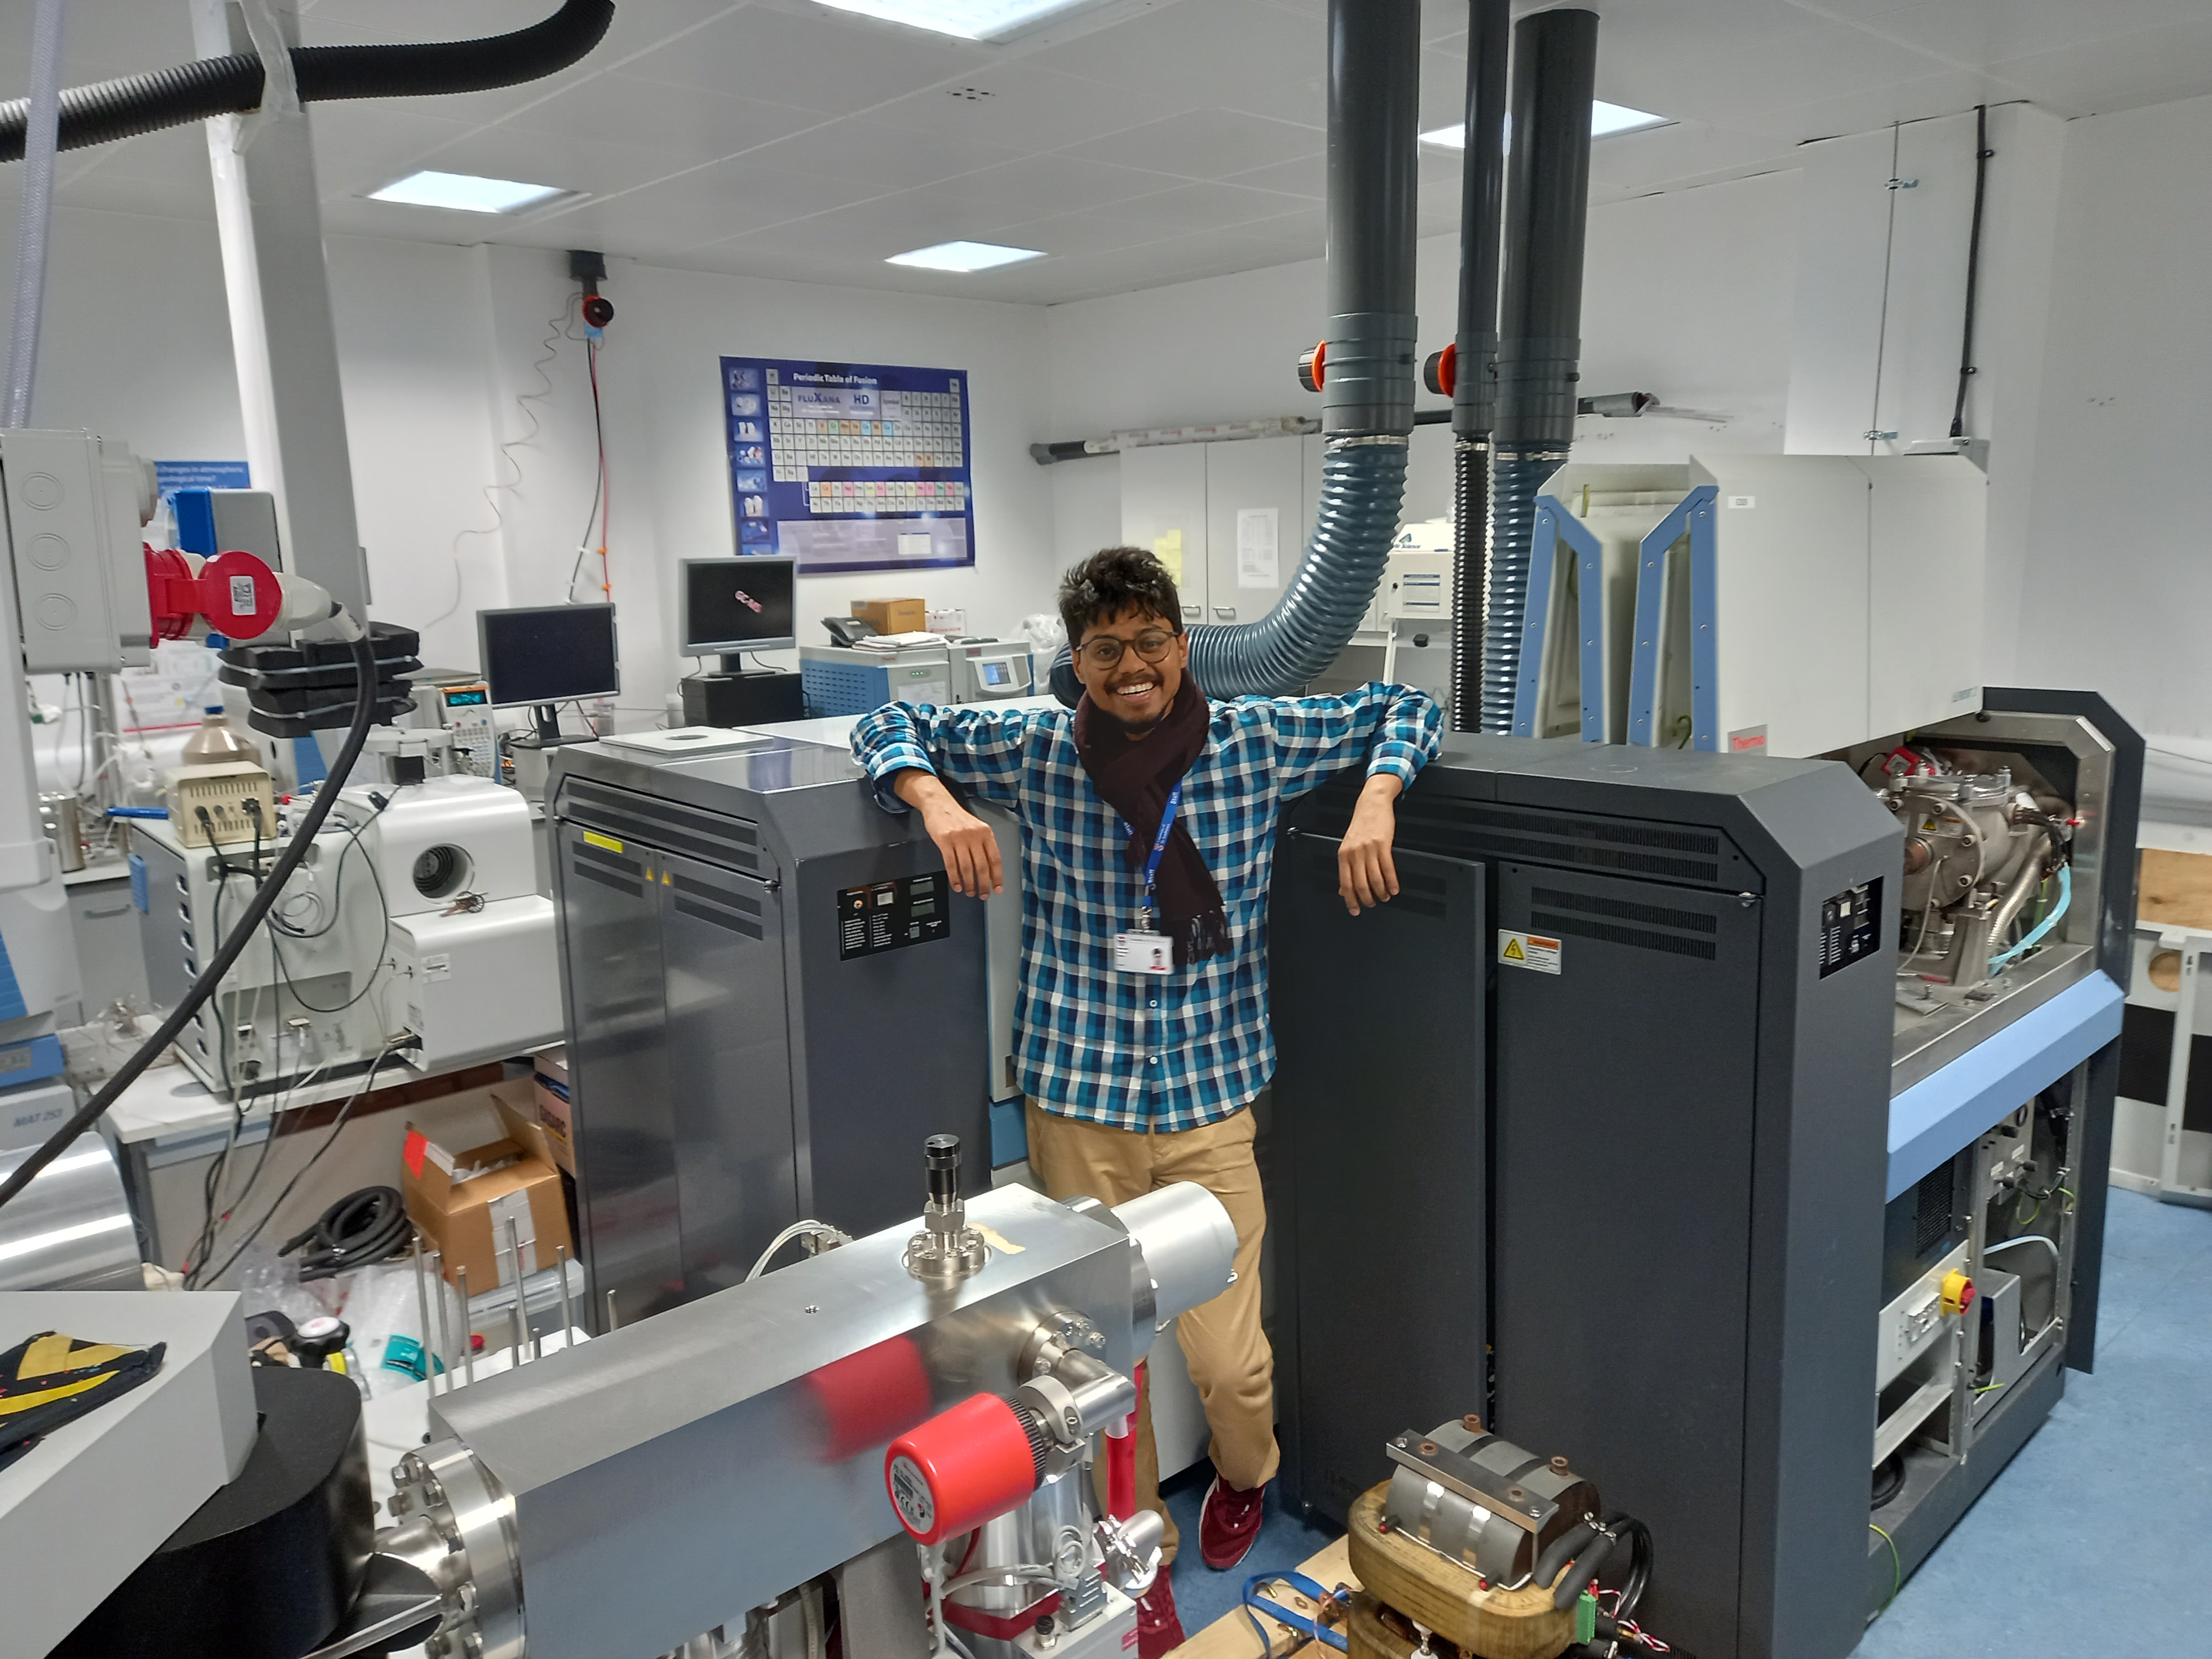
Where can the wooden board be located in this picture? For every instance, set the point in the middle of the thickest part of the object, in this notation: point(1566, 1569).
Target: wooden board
point(2174, 887)
point(1232, 1637)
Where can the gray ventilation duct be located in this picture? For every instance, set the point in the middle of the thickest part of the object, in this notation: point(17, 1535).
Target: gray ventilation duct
point(1546, 207)
point(1367, 374)
point(1474, 348)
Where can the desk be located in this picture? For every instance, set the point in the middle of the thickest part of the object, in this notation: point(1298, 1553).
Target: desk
point(169, 1128)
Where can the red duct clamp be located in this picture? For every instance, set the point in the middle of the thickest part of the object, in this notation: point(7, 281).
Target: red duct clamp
point(235, 593)
point(966, 1465)
point(1441, 371)
point(1313, 367)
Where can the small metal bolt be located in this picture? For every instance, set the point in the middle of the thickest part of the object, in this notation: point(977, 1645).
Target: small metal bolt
point(811, 1308)
point(1558, 1466)
point(1402, 1441)
point(1516, 1493)
point(1428, 1448)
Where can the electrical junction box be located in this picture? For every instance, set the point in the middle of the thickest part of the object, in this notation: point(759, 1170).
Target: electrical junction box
point(1417, 586)
point(212, 521)
point(75, 504)
point(222, 790)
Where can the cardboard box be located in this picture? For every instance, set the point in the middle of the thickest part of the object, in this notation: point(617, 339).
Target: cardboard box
point(554, 1112)
point(462, 1218)
point(893, 616)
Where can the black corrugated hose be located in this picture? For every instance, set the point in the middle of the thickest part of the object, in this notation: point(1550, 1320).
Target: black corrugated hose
point(134, 103)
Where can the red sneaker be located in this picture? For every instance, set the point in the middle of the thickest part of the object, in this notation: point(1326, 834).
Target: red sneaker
point(1159, 1631)
point(1228, 1522)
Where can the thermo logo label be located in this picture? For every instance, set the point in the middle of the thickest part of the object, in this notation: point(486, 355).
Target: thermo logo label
point(1743, 500)
point(1750, 740)
point(1534, 951)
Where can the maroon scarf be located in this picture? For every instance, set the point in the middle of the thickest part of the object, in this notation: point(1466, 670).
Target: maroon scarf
point(1133, 777)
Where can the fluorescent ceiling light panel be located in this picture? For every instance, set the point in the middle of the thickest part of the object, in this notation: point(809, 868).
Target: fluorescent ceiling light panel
point(1606, 119)
point(466, 193)
point(963, 256)
point(969, 20)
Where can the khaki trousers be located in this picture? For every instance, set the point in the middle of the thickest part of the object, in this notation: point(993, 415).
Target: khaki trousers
point(1228, 1353)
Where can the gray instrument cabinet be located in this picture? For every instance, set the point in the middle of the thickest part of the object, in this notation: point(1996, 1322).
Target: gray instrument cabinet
point(740, 1056)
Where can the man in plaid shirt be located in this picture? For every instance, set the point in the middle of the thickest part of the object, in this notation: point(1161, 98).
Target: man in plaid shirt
point(1141, 1036)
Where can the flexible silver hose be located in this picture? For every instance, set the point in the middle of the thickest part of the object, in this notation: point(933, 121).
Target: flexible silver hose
point(35, 221)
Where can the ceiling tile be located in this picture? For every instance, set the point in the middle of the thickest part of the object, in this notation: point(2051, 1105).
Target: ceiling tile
point(2148, 67)
point(594, 166)
point(1820, 61)
point(1977, 34)
point(690, 121)
point(1306, 176)
point(1198, 207)
point(1210, 52)
point(862, 152)
point(824, 60)
point(1055, 184)
point(1204, 144)
point(1304, 100)
point(360, 147)
point(1644, 160)
point(1026, 105)
point(745, 189)
point(896, 224)
point(1944, 93)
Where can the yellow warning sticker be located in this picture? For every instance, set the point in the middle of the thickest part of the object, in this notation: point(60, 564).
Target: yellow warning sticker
point(605, 843)
point(1537, 952)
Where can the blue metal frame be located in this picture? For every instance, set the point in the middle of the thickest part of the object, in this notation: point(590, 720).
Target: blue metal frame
point(1945, 1111)
point(1693, 516)
point(1556, 523)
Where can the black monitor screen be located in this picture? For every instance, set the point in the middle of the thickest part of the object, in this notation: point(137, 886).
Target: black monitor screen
point(549, 653)
point(738, 604)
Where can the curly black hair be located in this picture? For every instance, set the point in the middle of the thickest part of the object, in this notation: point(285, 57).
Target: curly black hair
point(1113, 581)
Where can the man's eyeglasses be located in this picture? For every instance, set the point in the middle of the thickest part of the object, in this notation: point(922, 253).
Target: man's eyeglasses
point(1105, 651)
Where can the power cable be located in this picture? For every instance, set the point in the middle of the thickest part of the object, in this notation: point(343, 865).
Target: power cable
point(196, 995)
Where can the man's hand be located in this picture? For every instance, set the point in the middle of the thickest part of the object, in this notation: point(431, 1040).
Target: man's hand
point(971, 851)
point(1364, 873)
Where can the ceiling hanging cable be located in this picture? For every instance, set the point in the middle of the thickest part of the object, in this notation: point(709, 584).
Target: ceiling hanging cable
point(1967, 369)
point(40, 139)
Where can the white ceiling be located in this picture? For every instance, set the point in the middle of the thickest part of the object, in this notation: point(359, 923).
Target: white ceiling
point(1149, 141)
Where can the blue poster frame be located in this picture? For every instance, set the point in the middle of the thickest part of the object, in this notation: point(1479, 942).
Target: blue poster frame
point(849, 467)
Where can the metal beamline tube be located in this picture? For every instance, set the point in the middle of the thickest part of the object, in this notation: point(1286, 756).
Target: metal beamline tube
point(1474, 390)
point(1367, 391)
point(1540, 319)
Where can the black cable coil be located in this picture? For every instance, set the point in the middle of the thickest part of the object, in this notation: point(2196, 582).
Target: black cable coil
point(364, 1227)
point(135, 104)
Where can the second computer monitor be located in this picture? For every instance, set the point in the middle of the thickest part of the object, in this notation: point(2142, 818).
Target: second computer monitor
point(730, 605)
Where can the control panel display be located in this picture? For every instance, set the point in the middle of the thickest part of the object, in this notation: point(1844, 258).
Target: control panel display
point(889, 915)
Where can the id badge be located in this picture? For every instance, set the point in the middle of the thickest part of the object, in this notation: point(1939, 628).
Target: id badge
point(1144, 953)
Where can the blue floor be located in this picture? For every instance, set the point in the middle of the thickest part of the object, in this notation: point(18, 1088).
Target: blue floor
point(1202, 1594)
point(2053, 1558)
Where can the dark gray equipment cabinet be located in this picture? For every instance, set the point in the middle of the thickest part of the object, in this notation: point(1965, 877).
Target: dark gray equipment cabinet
point(772, 997)
point(1665, 1223)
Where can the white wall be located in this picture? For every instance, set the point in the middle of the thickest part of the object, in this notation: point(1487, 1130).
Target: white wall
point(1716, 265)
point(437, 343)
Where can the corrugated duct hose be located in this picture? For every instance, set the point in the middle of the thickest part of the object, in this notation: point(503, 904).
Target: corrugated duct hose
point(1367, 384)
point(134, 103)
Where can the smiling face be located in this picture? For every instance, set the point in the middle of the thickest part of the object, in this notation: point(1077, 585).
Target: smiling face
point(1133, 691)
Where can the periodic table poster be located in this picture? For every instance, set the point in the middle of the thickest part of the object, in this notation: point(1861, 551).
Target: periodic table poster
point(849, 466)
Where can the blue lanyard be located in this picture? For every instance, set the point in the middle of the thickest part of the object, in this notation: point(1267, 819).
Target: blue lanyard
point(1160, 843)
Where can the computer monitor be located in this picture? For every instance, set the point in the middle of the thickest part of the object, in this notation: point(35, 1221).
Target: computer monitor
point(730, 605)
point(544, 655)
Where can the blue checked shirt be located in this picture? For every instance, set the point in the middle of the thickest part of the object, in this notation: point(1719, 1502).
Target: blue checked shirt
point(1144, 1051)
